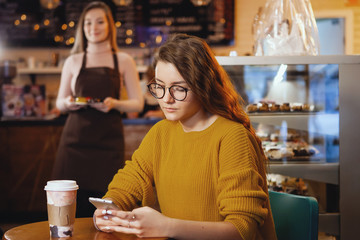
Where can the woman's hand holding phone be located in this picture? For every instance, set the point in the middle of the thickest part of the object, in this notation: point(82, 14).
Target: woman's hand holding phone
point(143, 221)
point(103, 214)
point(109, 218)
point(105, 204)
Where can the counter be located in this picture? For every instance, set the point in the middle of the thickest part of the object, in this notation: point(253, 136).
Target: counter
point(27, 154)
point(60, 121)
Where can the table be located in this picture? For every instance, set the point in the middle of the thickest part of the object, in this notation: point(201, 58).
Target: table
point(83, 230)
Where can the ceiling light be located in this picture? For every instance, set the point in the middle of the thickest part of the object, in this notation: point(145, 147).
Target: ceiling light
point(50, 4)
point(200, 3)
point(122, 2)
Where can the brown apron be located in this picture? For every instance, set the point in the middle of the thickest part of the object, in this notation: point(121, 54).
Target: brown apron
point(91, 148)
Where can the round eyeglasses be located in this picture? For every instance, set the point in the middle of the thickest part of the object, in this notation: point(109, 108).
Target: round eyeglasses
point(177, 92)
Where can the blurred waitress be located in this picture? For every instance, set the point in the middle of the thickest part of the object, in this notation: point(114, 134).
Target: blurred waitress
point(91, 148)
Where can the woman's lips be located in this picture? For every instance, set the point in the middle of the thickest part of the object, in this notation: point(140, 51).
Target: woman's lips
point(170, 110)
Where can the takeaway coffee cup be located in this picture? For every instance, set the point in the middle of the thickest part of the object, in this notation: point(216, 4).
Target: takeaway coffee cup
point(61, 206)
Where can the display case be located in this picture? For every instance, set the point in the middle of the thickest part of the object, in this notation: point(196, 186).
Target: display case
point(305, 109)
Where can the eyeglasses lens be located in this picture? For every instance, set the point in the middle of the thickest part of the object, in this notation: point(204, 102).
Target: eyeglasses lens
point(177, 92)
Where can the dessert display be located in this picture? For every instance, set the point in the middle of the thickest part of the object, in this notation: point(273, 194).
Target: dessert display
point(290, 147)
point(269, 106)
point(280, 153)
point(86, 100)
point(81, 100)
point(94, 100)
point(286, 184)
point(304, 151)
point(289, 151)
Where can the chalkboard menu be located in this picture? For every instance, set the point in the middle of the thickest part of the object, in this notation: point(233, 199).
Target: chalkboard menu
point(27, 23)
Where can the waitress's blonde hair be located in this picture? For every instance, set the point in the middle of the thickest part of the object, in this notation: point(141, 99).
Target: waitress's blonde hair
point(81, 42)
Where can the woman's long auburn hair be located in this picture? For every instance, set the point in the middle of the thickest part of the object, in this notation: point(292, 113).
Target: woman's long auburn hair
point(81, 42)
point(196, 63)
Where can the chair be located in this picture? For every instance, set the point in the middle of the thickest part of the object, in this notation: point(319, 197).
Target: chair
point(295, 217)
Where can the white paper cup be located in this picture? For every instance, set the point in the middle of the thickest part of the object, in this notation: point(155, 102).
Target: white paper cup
point(61, 206)
point(31, 62)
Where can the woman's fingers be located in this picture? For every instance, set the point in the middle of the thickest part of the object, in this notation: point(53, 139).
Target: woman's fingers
point(125, 229)
point(113, 217)
point(100, 106)
point(118, 221)
point(109, 102)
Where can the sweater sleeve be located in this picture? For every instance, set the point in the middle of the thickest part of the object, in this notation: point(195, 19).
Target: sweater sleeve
point(241, 196)
point(132, 186)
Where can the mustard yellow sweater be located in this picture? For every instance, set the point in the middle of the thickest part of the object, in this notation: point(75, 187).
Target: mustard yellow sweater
point(213, 175)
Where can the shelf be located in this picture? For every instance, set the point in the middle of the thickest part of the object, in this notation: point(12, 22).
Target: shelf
point(44, 70)
point(322, 172)
point(316, 122)
point(57, 70)
point(276, 60)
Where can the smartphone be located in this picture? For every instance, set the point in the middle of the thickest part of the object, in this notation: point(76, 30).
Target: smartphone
point(103, 203)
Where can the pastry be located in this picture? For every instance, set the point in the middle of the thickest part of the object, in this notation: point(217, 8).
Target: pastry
point(274, 107)
point(306, 107)
point(274, 137)
point(264, 107)
point(285, 107)
point(263, 136)
point(303, 151)
point(279, 153)
point(81, 100)
point(94, 100)
point(86, 100)
point(252, 108)
point(296, 108)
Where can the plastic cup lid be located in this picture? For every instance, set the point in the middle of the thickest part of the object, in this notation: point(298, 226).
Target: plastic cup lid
point(61, 185)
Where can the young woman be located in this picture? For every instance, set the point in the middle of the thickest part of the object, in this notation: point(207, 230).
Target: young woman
point(204, 159)
point(92, 142)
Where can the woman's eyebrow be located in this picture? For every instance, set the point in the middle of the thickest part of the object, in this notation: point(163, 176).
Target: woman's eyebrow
point(96, 19)
point(173, 83)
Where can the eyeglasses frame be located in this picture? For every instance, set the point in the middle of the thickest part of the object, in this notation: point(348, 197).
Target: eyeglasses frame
point(164, 90)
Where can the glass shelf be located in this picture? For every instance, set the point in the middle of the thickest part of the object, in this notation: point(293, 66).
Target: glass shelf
point(322, 172)
point(329, 83)
point(322, 123)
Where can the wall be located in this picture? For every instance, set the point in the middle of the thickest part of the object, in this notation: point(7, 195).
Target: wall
point(246, 10)
point(244, 14)
point(341, 6)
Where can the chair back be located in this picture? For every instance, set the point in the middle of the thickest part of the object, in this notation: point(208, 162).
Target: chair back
point(295, 217)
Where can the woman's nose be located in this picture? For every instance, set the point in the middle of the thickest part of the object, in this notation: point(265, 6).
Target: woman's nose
point(93, 26)
point(167, 97)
